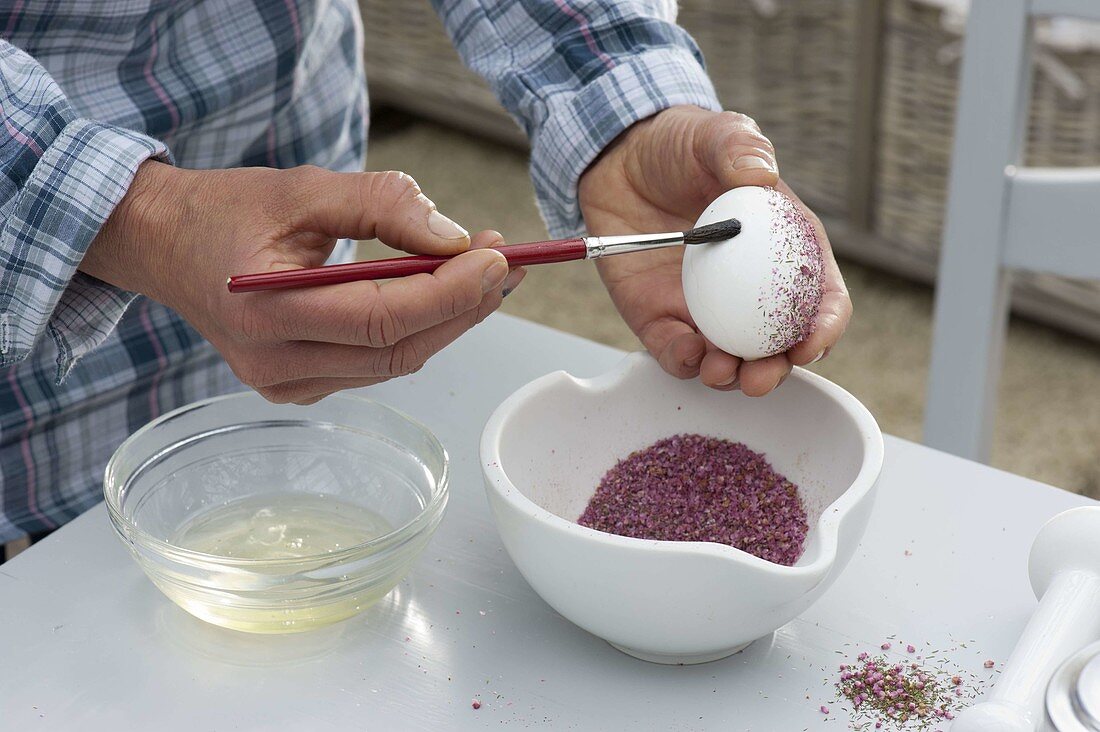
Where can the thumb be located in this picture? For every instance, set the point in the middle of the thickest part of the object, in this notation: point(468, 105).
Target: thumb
point(388, 206)
point(737, 153)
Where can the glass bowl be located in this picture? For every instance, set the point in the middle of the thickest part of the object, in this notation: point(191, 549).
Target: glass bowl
point(274, 518)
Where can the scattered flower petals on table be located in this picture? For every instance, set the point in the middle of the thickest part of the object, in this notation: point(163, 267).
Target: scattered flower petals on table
point(884, 694)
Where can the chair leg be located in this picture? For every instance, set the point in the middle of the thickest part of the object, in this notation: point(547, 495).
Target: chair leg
point(970, 324)
point(972, 287)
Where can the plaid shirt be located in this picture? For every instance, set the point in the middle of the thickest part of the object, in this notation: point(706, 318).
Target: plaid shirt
point(88, 91)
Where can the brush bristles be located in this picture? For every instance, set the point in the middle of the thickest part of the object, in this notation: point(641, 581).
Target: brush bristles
point(713, 232)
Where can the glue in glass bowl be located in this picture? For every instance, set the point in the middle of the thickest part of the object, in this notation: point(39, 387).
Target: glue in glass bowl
point(546, 447)
point(276, 518)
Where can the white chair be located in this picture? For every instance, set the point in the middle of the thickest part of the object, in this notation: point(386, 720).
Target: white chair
point(1001, 217)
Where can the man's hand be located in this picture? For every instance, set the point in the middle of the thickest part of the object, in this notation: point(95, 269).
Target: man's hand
point(659, 176)
point(178, 234)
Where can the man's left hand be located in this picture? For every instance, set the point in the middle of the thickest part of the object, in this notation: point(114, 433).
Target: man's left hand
point(658, 176)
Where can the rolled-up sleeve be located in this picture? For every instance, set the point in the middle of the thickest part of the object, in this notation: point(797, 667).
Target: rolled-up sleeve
point(62, 178)
point(575, 74)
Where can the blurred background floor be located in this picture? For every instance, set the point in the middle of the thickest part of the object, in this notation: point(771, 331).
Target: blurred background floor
point(1048, 422)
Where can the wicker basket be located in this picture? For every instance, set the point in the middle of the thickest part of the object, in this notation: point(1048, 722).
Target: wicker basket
point(792, 69)
point(916, 126)
point(412, 65)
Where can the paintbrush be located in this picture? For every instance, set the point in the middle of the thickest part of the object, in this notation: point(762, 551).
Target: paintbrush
point(518, 255)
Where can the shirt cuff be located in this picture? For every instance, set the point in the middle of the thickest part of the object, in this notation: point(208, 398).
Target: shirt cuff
point(75, 185)
point(577, 130)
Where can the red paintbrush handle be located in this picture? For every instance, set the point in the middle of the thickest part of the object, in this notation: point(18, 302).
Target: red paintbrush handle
point(518, 255)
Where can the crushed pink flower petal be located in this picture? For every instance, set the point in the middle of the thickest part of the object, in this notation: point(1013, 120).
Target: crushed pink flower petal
point(794, 298)
point(697, 488)
point(901, 696)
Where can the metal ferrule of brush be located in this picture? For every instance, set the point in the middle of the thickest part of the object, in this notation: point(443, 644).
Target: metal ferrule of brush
point(603, 246)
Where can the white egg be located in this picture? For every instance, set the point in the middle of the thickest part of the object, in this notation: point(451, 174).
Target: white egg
point(757, 294)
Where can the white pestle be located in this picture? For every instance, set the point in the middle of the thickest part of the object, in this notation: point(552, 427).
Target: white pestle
point(1065, 574)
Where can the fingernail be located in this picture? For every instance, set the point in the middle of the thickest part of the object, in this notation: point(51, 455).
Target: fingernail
point(494, 275)
point(693, 362)
point(728, 381)
point(512, 281)
point(442, 226)
point(751, 162)
point(819, 356)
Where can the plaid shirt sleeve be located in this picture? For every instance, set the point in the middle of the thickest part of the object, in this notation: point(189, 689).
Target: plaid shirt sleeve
point(575, 74)
point(62, 177)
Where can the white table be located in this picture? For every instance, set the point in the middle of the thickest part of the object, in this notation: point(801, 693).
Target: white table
point(87, 643)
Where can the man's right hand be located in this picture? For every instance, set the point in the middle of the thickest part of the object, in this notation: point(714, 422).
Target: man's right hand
point(178, 234)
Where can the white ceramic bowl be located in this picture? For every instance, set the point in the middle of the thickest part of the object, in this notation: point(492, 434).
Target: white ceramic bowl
point(546, 447)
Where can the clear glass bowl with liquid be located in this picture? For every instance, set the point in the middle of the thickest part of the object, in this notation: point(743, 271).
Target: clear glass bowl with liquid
point(273, 518)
